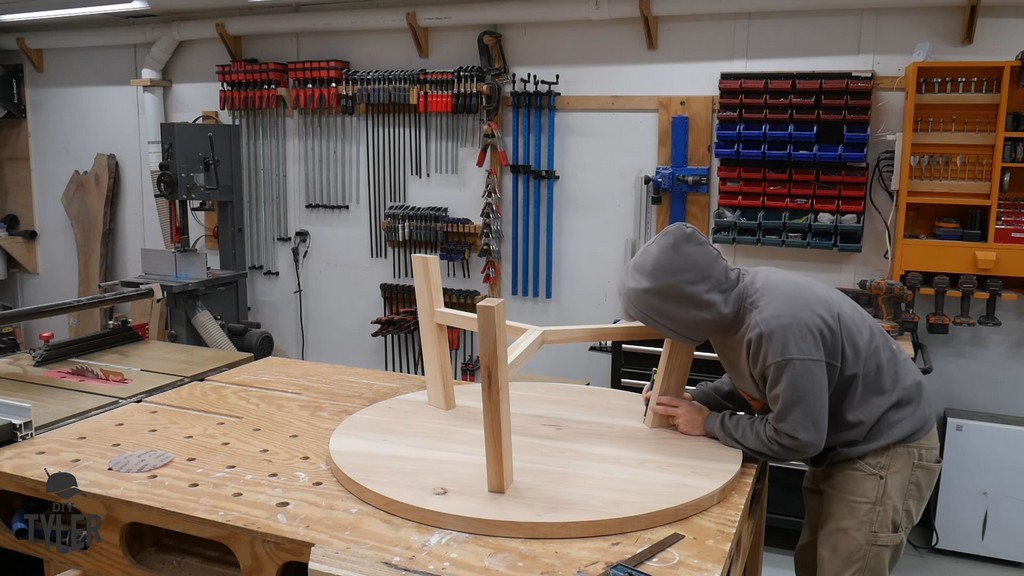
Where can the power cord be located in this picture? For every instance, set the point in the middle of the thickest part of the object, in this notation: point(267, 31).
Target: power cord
point(301, 237)
point(885, 164)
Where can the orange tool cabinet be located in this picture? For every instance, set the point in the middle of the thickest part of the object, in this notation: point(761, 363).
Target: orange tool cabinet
point(961, 159)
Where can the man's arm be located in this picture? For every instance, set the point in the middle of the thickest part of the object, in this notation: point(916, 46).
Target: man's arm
point(795, 428)
point(720, 395)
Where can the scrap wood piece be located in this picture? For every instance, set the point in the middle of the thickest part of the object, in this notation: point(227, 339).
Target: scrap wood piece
point(88, 200)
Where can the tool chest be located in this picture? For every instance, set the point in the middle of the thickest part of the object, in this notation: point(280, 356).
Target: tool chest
point(792, 142)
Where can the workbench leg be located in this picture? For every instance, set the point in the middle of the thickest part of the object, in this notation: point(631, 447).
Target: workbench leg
point(758, 513)
point(494, 388)
point(437, 362)
point(673, 370)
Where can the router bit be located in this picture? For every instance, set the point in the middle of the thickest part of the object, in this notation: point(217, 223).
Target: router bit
point(929, 125)
point(936, 82)
point(942, 123)
point(984, 85)
point(960, 84)
point(949, 85)
point(974, 82)
point(918, 123)
point(952, 126)
point(995, 85)
point(924, 85)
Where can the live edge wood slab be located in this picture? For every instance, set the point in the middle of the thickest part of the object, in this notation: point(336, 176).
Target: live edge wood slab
point(251, 492)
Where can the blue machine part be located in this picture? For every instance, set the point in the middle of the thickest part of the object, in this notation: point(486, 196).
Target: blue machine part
point(624, 570)
point(679, 179)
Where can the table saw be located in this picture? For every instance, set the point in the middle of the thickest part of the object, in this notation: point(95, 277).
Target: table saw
point(250, 491)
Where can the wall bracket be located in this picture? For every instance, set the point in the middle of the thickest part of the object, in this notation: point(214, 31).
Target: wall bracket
point(420, 36)
point(233, 44)
point(34, 55)
point(970, 21)
point(650, 23)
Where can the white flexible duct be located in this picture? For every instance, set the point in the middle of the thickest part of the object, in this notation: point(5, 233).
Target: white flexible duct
point(476, 14)
point(154, 113)
point(210, 330)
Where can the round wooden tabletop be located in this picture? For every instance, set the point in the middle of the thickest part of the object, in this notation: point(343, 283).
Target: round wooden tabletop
point(584, 464)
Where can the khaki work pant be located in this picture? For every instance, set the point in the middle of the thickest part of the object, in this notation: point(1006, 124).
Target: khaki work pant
point(859, 511)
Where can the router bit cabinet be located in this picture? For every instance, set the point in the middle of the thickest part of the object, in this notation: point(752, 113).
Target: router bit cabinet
point(961, 184)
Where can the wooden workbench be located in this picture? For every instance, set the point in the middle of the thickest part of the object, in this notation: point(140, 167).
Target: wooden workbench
point(250, 492)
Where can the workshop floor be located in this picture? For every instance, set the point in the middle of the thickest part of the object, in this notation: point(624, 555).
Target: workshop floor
point(778, 561)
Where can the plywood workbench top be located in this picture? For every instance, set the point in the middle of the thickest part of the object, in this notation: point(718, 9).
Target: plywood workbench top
point(251, 470)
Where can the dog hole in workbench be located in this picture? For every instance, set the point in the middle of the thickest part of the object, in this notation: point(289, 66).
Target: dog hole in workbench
point(165, 552)
point(193, 485)
point(318, 483)
point(190, 459)
point(236, 494)
point(293, 569)
point(283, 504)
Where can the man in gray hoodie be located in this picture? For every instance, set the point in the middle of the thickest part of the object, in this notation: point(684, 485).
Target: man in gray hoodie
point(810, 376)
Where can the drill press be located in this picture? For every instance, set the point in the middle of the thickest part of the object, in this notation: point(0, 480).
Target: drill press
point(938, 321)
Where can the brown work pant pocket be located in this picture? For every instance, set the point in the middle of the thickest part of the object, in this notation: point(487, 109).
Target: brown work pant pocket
point(923, 476)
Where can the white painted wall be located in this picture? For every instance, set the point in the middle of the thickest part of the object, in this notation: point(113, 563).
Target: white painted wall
point(83, 105)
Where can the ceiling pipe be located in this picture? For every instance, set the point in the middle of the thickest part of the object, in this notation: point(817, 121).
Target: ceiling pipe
point(457, 15)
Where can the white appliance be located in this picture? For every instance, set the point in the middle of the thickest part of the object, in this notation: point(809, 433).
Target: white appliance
point(980, 508)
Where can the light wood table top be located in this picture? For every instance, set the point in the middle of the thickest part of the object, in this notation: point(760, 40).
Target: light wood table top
point(51, 406)
point(192, 362)
point(252, 470)
point(20, 367)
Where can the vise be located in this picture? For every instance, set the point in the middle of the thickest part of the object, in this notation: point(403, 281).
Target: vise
point(679, 179)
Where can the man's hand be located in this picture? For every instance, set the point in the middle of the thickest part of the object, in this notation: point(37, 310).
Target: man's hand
point(686, 415)
point(647, 394)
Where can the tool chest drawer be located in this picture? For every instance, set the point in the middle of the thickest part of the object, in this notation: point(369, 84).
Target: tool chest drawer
point(633, 362)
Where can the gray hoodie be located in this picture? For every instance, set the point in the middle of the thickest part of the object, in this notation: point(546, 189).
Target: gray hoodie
point(818, 378)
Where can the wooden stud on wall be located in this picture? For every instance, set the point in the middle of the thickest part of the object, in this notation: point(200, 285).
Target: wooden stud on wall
point(494, 391)
point(34, 55)
point(419, 35)
point(233, 44)
point(970, 21)
point(650, 23)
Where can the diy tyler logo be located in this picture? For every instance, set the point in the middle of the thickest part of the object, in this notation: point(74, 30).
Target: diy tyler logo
point(58, 524)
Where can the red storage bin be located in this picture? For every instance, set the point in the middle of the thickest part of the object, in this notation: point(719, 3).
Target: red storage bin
point(860, 85)
point(834, 85)
point(833, 100)
point(730, 99)
point(804, 174)
point(728, 115)
point(855, 176)
point(751, 187)
point(783, 85)
point(730, 200)
point(725, 85)
point(825, 204)
point(861, 100)
point(830, 176)
point(752, 173)
point(801, 188)
point(776, 188)
point(776, 174)
point(858, 115)
point(778, 100)
point(754, 99)
point(754, 114)
point(824, 190)
point(852, 190)
point(808, 85)
point(750, 201)
point(729, 186)
point(798, 203)
point(753, 84)
point(780, 202)
point(854, 206)
point(778, 115)
point(803, 100)
point(831, 115)
point(728, 172)
point(805, 115)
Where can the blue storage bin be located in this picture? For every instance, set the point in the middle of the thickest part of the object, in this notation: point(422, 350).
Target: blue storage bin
point(804, 132)
point(857, 226)
point(772, 219)
point(855, 134)
point(771, 237)
point(727, 131)
point(725, 218)
point(801, 151)
point(817, 226)
point(822, 240)
point(723, 235)
point(726, 150)
point(777, 131)
point(752, 150)
point(827, 152)
point(854, 153)
point(748, 237)
point(752, 131)
point(747, 218)
point(850, 241)
point(776, 151)
point(795, 239)
point(798, 220)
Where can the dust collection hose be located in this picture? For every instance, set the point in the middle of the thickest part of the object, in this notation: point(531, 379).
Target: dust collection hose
point(209, 329)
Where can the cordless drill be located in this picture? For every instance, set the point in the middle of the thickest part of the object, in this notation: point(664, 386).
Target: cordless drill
point(938, 322)
point(993, 286)
point(889, 297)
point(910, 319)
point(967, 284)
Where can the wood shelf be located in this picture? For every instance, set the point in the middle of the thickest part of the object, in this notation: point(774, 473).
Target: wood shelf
point(23, 251)
point(950, 186)
point(1013, 165)
point(966, 99)
point(955, 139)
point(1014, 134)
point(1003, 295)
point(953, 201)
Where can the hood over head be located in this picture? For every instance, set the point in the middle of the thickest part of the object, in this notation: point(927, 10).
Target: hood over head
point(682, 286)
